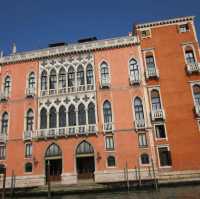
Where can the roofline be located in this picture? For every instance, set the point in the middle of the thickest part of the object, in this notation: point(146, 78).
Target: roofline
point(164, 22)
point(70, 49)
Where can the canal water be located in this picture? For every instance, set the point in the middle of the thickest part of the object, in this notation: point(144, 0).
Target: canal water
point(184, 192)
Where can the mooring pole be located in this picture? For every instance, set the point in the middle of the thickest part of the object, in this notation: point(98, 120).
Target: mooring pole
point(4, 183)
point(48, 179)
point(139, 174)
point(127, 178)
point(154, 175)
point(12, 183)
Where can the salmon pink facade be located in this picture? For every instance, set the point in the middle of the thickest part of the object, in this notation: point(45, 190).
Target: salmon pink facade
point(104, 109)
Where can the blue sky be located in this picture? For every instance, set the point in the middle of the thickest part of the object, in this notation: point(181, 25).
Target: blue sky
point(33, 24)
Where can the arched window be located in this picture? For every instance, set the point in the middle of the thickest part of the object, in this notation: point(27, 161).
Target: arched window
point(62, 78)
point(155, 100)
point(189, 55)
point(52, 118)
point(4, 123)
point(134, 70)
point(107, 112)
point(139, 113)
point(43, 118)
point(29, 120)
point(31, 81)
point(80, 76)
point(196, 92)
point(44, 80)
point(72, 116)
point(91, 113)
point(89, 72)
point(28, 167)
point(53, 151)
point(71, 77)
point(104, 73)
point(62, 116)
point(52, 80)
point(81, 115)
point(84, 148)
point(111, 161)
point(145, 158)
point(7, 85)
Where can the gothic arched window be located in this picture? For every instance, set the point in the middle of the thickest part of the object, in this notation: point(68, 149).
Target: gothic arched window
point(139, 113)
point(52, 118)
point(31, 81)
point(29, 120)
point(81, 115)
point(107, 112)
point(62, 116)
point(104, 73)
point(7, 85)
point(134, 70)
point(52, 80)
point(43, 118)
point(155, 100)
point(80, 76)
point(91, 113)
point(71, 77)
point(4, 123)
point(72, 116)
point(196, 91)
point(44, 80)
point(62, 78)
point(89, 74)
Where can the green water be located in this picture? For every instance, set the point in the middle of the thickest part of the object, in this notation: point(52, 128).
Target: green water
point(184, 192)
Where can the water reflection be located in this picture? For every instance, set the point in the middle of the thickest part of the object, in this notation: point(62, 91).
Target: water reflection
point(185, 192)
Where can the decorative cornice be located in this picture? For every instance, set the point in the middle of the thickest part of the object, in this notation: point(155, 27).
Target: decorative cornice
point(70, 49)
point(165, 22)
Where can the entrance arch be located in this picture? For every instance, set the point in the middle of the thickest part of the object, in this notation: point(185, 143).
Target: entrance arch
point(53, 157)
point(85, 162)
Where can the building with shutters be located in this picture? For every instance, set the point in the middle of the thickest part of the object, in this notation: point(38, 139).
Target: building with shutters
point(93, 108)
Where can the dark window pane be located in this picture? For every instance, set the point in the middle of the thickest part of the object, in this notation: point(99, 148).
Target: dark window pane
point(52, 118)
point(28, 167)
point(43, 118)
point(111, 161)
point(72, 116)
point(91, 114)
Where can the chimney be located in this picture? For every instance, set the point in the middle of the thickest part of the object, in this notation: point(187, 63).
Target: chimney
point(1, 54)
point(14, 48)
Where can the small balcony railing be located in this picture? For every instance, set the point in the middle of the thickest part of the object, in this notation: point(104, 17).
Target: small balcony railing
point(158, 114)
point(108, 127)
point(4, 96)
point(105, 83)
point(134, 80)
point(193, 68)
point(197, 110)
point(81, 88)
point(28, 135)
point(139, 124)
point(3, 137)
point(65, 131)
point(152, 73)
point(62, 91)
point(30, 92)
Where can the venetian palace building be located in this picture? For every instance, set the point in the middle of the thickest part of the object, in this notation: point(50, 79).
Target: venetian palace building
point(93, 108)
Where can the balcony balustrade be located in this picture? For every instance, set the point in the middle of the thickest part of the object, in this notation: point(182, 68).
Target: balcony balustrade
point(28, 135)
point(197, 110)
point(105, 83)
point(30, 92)
point(158, 114)
point(3, 137)
point(139, 124)
point(193, 68)
point(134, 80)
point(108, 127)
point(65, 131)
point(152, 73)
point(4, 96)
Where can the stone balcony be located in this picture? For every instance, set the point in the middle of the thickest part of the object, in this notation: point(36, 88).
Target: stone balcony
point(158, 114)
point(4, 96)
point(68, 90)
point(108, 127)
point(134, 80)
point(30, 92)
point(193, 68)
point(140, 124)
point(105, 83)
point(62, 132)
point(197, 110)
point(3, 137)
point(152, 73)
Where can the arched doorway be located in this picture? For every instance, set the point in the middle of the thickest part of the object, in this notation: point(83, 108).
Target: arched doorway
point(85, 163)
point(53, 157)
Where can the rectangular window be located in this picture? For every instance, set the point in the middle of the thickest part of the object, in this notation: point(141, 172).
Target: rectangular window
point(150, 62)
point(109, 143)
point(145, 33)
point(28, 150)
point(184, 28)
point(164, 156)
point(142, 139)
point(160, 131)
point(2, 152)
